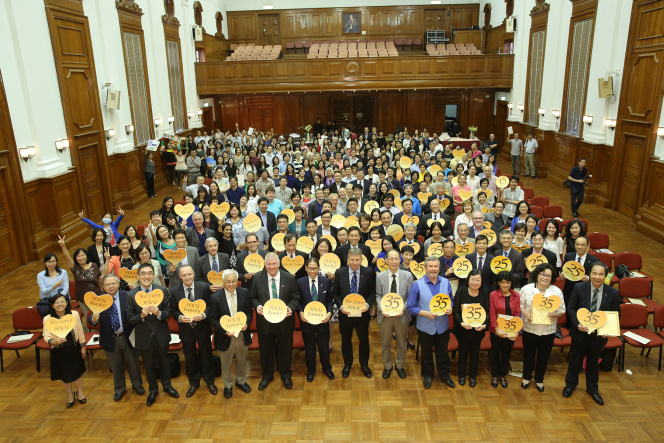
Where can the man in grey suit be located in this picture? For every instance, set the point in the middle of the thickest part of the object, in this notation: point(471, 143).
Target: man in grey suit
point(498, 220)
point(197, 234)
point(393, 281)
point(504, 248)
point(252, 248)
point(212, 261)
point(274, 283)
point(353, 209)
point(151, 333)
point(173, 271)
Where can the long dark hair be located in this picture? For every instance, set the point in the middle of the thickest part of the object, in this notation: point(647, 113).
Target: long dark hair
point(52, 300)
point(48, 257)
point(78, 251)
point(131, 251)
point(315, 252)
point(164, 209)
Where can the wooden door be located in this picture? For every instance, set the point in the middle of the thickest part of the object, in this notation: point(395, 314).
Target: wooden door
point(632, 165)
point(363, 112)
point(208, 119)
point(435, 19)
point(10, 250)
point(499, 126)
point(269, 30)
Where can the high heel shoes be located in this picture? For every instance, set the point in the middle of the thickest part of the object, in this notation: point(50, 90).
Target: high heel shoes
point(69, 405)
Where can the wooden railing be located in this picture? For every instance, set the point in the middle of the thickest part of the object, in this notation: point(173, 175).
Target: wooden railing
point(403, 72)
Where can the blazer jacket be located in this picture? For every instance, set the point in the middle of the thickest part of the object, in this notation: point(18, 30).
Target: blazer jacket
point(303, 228)
point(302, 272)
point(423, 227)
point(342, 253)
point(192, 260)
point(426, 209)
point(569, 284)
point(517, 259)
point(261, 293)
point(383, 284)
point(491, 218)
point(319, 231)
point(143, 327)
point(487, 274)
point(203, 266)
point(219, 307)
point(582, 297)
point(192, 237)
point(324, 289)
point(443, 267)
point(241, 270)
point(271, 221)
point(201, 292)
point(92, 253)
point(106, 339)
point(366, 287)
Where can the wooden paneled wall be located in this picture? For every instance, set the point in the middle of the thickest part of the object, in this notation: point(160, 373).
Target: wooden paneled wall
point(314, 75)
point(288, 113)
point(74, 62)
point(379, 22)
point(496, 38)
point(216, 48)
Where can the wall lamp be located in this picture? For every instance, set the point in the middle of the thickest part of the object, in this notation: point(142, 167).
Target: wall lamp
point(660, 131)
point(541, 111)
point(61, 145)
point(27, 153)
point(588, 119)
point(171, 119)
point(610, 124)
point(109, 133)
point(555, 113)
point(190, 114)
point(520, 108)
point(157, 121)
point(200, 112)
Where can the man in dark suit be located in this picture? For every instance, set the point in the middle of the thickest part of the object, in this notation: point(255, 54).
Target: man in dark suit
point(352, 208)
point(580, 256)
point(275, 283)
point(447, 262)
point(537, 238)
point(290, 242)
point(410, 229)
point(498, 220)
point(114, 332)
point(504, 248)
point(268, 219)
point(476, 227)
point(194, 331)
point(362, 182)
point(407, 206)
point(481, 259)
point(434, 214)
point(212, 261)
point(229, 300)
point(316, 206)
point(197, 234)
point(314, 287)
point(358, 193)
point(173, 271)
point(325, 228)
point(337, 183)
point(354, 238)
point(440, 196)
point(594, 296)
point(252, 248)
point(282, 225)
point(354, 279)
point(152, 335)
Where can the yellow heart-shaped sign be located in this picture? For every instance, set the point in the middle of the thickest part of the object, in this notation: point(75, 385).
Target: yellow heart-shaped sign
point(375, 246)
point(305, 244)
point(221, 210)
point(444, 204)
point(458, 153)
point(129, 275)
point(184, 211)
point(417, 269)
point(191, 309)
point(233, 324)
point(60, 327)
point(412, 219)
point(548, 304)
point(510, 326)
point(292, 265)
point(175, 257)
point(97, 304)
point(414, 245)
point(463, 250)
point(593, 320)
point(423, 197)
point(215, 278)
point(154, 298)
point(465, 194)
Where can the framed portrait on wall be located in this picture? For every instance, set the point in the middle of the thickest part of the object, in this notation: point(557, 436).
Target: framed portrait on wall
point(352, 23)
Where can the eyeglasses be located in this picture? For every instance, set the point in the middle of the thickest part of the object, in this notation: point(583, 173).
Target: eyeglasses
point(146, 274)
point(547, 276)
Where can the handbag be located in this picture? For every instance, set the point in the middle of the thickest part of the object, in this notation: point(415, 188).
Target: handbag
point(623, 272)
point(567, 184)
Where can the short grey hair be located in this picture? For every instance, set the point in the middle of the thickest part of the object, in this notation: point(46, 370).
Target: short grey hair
point(431, 258)
point(506, 232)
point(409, 225)
point(111, 275)
point(271, 255)
point(184, 267)
point(195, 214)
point(210, 240)
point(462, 224)
point(228, 272)
point(354, 251)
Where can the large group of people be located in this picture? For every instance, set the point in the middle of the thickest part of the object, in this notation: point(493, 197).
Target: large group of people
point(411, 205)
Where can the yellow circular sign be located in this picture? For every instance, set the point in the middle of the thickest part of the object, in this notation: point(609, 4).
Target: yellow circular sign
point(391, 304)
point(500, 263)
point(332, 240)
point(351, 221)
point(435, 250)
point(573, 271)
point(329, 263)
point(490, 235)
point(278, 242)
point(534, 260)
point(395, 231)
point(252, 223)
point(433, 170)
point(440, 303)
point(473, 315)
point(405, 162)
point(338, 221)
point(254, 263)
point(354, 304)
point(502, 182)
point(290, 214)
point(315, 312)
point(275, 310)
point(370, 206)
point(382, 265)
point(462, 267)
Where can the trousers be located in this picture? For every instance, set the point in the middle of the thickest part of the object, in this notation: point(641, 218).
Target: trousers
point(516, 161)
point(539, 346)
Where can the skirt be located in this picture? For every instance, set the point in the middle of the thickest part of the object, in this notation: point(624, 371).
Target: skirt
point(67, 362)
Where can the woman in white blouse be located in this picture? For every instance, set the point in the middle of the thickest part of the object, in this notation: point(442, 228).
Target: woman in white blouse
point(552, 240)
point(538, 338)
point(466, 217)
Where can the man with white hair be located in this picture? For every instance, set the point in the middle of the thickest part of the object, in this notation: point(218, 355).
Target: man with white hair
point(198, 234)
point(476, 228)
point(273, 283)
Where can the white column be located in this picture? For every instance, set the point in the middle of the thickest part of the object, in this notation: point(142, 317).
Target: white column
point(521, 44)
point(188, 48)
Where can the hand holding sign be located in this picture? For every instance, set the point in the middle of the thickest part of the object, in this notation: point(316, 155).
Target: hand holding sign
point(500, 263)
point(534, 260)
point(145, 300)
point(392, 305)
point(315, 312)
point(97, 304)
point(473, 315)
point(591, 320)
point(354, 305)
point(234, 324)
point(275, 310)
point(184, 211)
point(573, 271)
point(546, 304)
point(440, 304)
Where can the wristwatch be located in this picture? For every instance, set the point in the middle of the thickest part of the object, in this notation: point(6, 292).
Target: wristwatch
point(49, 341)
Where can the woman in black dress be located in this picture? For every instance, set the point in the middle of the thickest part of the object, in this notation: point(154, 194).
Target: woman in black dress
point(226, 243)
point(469, 337)
point(67, 354)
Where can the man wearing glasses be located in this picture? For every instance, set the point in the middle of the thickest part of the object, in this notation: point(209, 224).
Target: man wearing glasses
point(586, 260)
point(152, 335)
point(252, 248)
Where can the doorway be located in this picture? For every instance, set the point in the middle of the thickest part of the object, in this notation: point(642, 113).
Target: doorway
point(268, 25)
point(499, 125)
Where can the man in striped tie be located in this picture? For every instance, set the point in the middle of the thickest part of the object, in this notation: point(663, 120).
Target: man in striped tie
point(114, 332)
point(593, 295)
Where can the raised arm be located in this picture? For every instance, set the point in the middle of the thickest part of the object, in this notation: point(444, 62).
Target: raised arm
point(65, 252)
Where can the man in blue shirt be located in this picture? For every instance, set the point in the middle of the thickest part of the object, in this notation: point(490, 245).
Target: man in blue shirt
point(274, 206)
point(577, 178)
point(433, 329)
point(235, 192)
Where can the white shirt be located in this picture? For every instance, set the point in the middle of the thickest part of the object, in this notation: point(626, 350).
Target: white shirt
point(269, 283)
point(326, 231)
point(229, 300)
point(582, 260)
point(483, 258)
point(214, 258)
point(315, 282)
point(389, 281)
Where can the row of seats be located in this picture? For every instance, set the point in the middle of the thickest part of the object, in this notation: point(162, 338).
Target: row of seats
point(370, 44)
point(453, 49)
point(381, 49)
point(253, 52)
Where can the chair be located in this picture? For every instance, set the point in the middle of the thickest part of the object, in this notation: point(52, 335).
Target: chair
point(539, 201)
point(90, 334)
point(633, 262)
point(477, 52)
point(307, 45)
point(599, 240)
point(553, 211)
point(408, 42)
point(537, 211)
point(23, 320)
point(253, 330)
point(605, 258)
point(399, 42)
point(528, 193)
point(174, 327)
point(290, 45)
point(299, 45)
point(566, 340)
point(634, 319)
point(417, 42)
point(637, 287)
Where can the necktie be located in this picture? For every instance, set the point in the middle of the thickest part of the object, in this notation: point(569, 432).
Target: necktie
point(393, 288)
point(274, 288)
point(481, 263)
point(314, 292)
point(215, 267)
point(593, 303)
point(578, 259)
point(115, 317)
point(505, 253)
point(190, 295)
point(435, 216)
point(353, 283)
point(233, 304)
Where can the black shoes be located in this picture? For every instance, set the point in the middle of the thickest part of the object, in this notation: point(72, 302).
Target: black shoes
point(152, 398)
point(172, 392)
point(427, 382)
point(263, 384)
point(228, 392)
point(541, 389)
point(366, 371)
point(213, 389)
point(472, 382)
point(288, 383)
point(69, 405)
point(118, 397)
point(596, 398)
point(345, 372)
point(462, 381)
point(450, 383)
point(191, 391)
point(244, 388)
point(387, 373)
point(330, 374)
point(140, 390)
point(494, 382)
point(567, 392)
point(411, 345)
point(310, 378)
point(401, 373)
point(503, 383)
point(524, 385)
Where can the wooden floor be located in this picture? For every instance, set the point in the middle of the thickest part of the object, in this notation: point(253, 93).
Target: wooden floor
point(32, 408)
